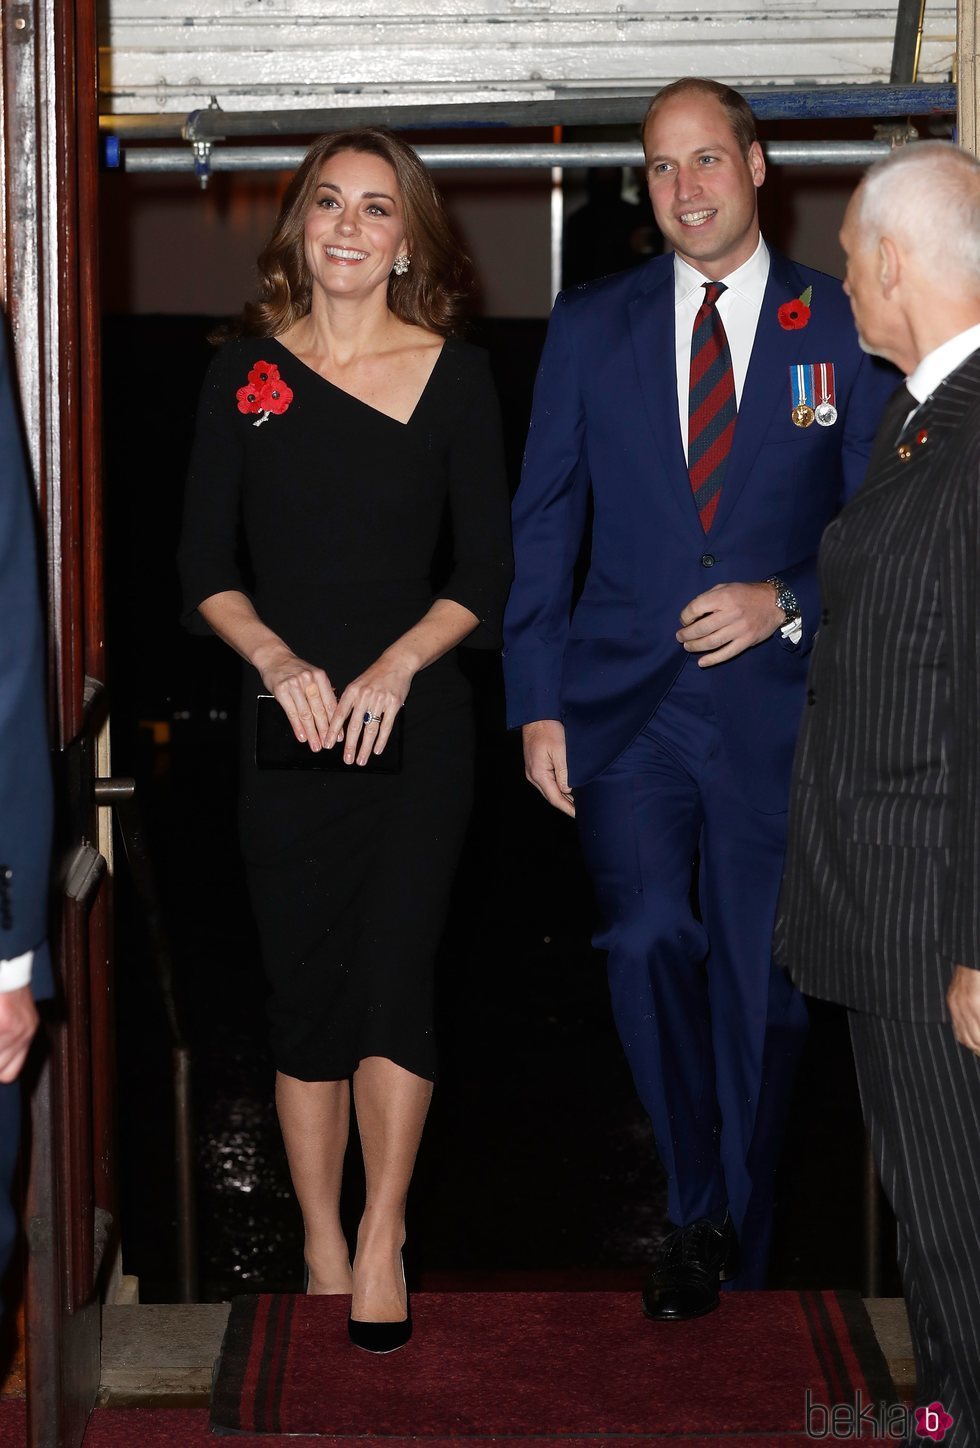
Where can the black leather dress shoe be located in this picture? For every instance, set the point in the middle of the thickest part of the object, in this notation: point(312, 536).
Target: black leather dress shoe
point(691, 1262)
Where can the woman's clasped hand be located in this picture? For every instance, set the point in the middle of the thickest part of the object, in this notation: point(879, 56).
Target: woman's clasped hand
point(365, 713)
point(304, 692)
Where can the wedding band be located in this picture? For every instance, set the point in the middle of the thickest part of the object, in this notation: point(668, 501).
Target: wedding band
point(370, 718)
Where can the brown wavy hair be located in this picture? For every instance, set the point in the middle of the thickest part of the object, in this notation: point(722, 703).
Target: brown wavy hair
point(432, 292)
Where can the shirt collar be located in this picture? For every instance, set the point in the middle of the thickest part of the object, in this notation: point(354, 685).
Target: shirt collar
point(936, 366)
point(749, 279)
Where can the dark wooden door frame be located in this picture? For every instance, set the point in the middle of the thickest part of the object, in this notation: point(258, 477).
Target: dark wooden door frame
point(50, 275)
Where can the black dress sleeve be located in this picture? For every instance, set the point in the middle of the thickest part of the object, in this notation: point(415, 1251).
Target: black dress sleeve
point(209, 554)
point(483, 561)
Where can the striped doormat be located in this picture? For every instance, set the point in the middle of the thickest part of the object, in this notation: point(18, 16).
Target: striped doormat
point(556, 1365)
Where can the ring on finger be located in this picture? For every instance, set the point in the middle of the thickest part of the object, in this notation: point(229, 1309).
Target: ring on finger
point(370, 718)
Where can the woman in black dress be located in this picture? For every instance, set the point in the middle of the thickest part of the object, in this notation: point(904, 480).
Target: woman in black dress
point(332, 437)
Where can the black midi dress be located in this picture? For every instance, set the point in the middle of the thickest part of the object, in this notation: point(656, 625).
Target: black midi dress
point(328, 514)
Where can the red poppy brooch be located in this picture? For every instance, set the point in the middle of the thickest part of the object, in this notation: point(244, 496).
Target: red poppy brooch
point(264, 393)
point(794, 315)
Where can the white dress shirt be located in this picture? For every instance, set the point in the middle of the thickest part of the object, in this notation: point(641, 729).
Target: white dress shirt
point(936, 366)
point(16, 972)
point(739, 308)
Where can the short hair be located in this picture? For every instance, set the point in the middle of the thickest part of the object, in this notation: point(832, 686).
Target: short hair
point(927, 195)
point(430, 294)
point(740, 115)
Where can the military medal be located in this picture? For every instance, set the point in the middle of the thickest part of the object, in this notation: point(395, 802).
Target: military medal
point(801, 383)
point(825, 412)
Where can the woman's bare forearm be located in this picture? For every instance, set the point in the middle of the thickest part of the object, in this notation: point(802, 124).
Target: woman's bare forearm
point(444, 626)
point(303, 689)
point(232, 616)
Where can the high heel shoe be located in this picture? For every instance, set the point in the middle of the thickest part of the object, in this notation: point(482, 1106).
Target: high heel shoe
point(379, 1337)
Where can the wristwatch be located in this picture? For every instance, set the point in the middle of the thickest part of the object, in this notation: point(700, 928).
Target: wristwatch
point(785, 599)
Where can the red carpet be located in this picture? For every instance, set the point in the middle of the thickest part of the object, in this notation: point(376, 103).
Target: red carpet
point(188, 1428)
point(547, 1366)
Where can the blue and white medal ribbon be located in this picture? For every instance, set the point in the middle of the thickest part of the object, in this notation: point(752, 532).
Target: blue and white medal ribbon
point(801, 383)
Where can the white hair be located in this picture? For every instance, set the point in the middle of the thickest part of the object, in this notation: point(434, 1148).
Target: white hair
point(926, 195)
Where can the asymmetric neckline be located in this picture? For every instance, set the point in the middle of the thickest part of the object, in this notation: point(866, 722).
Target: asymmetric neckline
point(359, 400)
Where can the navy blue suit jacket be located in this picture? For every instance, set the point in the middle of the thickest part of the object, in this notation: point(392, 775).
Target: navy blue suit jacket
point(25, 776)
point(605, 422)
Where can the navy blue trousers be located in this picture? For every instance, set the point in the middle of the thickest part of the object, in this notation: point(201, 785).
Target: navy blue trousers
point(711, 1026)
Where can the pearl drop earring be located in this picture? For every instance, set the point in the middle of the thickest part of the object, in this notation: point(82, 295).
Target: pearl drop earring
point(401, 266)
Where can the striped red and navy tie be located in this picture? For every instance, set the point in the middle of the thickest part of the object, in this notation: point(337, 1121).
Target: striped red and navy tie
point(711, 405)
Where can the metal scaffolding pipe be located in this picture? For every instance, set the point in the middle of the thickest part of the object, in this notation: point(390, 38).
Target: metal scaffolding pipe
point(908, 41)
point(445, 158)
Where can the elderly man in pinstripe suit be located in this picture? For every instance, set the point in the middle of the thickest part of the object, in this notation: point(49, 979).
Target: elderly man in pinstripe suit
point(880, 900)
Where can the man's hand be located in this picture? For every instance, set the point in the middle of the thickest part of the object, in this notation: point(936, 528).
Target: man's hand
point(18, 1022)
point(545, 764)
point(963, 1000)
point(728, 619)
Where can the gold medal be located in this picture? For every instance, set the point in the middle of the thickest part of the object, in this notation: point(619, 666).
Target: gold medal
point(802, 414)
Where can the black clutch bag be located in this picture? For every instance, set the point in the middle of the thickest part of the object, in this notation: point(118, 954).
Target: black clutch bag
point(276, 746)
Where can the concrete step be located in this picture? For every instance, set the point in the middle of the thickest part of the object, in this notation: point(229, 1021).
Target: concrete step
point(160, 1354)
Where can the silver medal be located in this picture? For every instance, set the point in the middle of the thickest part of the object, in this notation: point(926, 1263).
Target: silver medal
point(825, 413)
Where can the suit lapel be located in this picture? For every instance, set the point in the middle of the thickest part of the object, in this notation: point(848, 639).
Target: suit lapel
point(884, 462)
point(941, 413)
point(652, 332)
point(766, 384)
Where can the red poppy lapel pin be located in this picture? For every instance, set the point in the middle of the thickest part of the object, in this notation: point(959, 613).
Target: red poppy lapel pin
point(265, 392)
point(793, 316)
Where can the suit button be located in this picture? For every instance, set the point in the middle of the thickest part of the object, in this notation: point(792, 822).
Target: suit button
point(811, 697)
point(825, 616)
point(707, 560)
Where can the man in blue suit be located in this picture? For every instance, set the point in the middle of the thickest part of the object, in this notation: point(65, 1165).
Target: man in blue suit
point(717, 407)
point(25, 794)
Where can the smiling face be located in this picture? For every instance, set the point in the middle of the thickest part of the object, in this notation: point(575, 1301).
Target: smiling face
point(355, 227)
point(702, 188)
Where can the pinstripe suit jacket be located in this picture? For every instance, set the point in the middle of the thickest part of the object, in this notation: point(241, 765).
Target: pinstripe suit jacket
point(880, 895)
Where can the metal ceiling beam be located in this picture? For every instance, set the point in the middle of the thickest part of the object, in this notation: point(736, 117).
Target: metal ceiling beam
point(442, 158)
point(824, 102)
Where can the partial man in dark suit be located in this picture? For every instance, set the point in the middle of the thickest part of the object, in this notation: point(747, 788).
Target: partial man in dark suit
point(881, 907)
point(25, 794)
point(716, 407)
